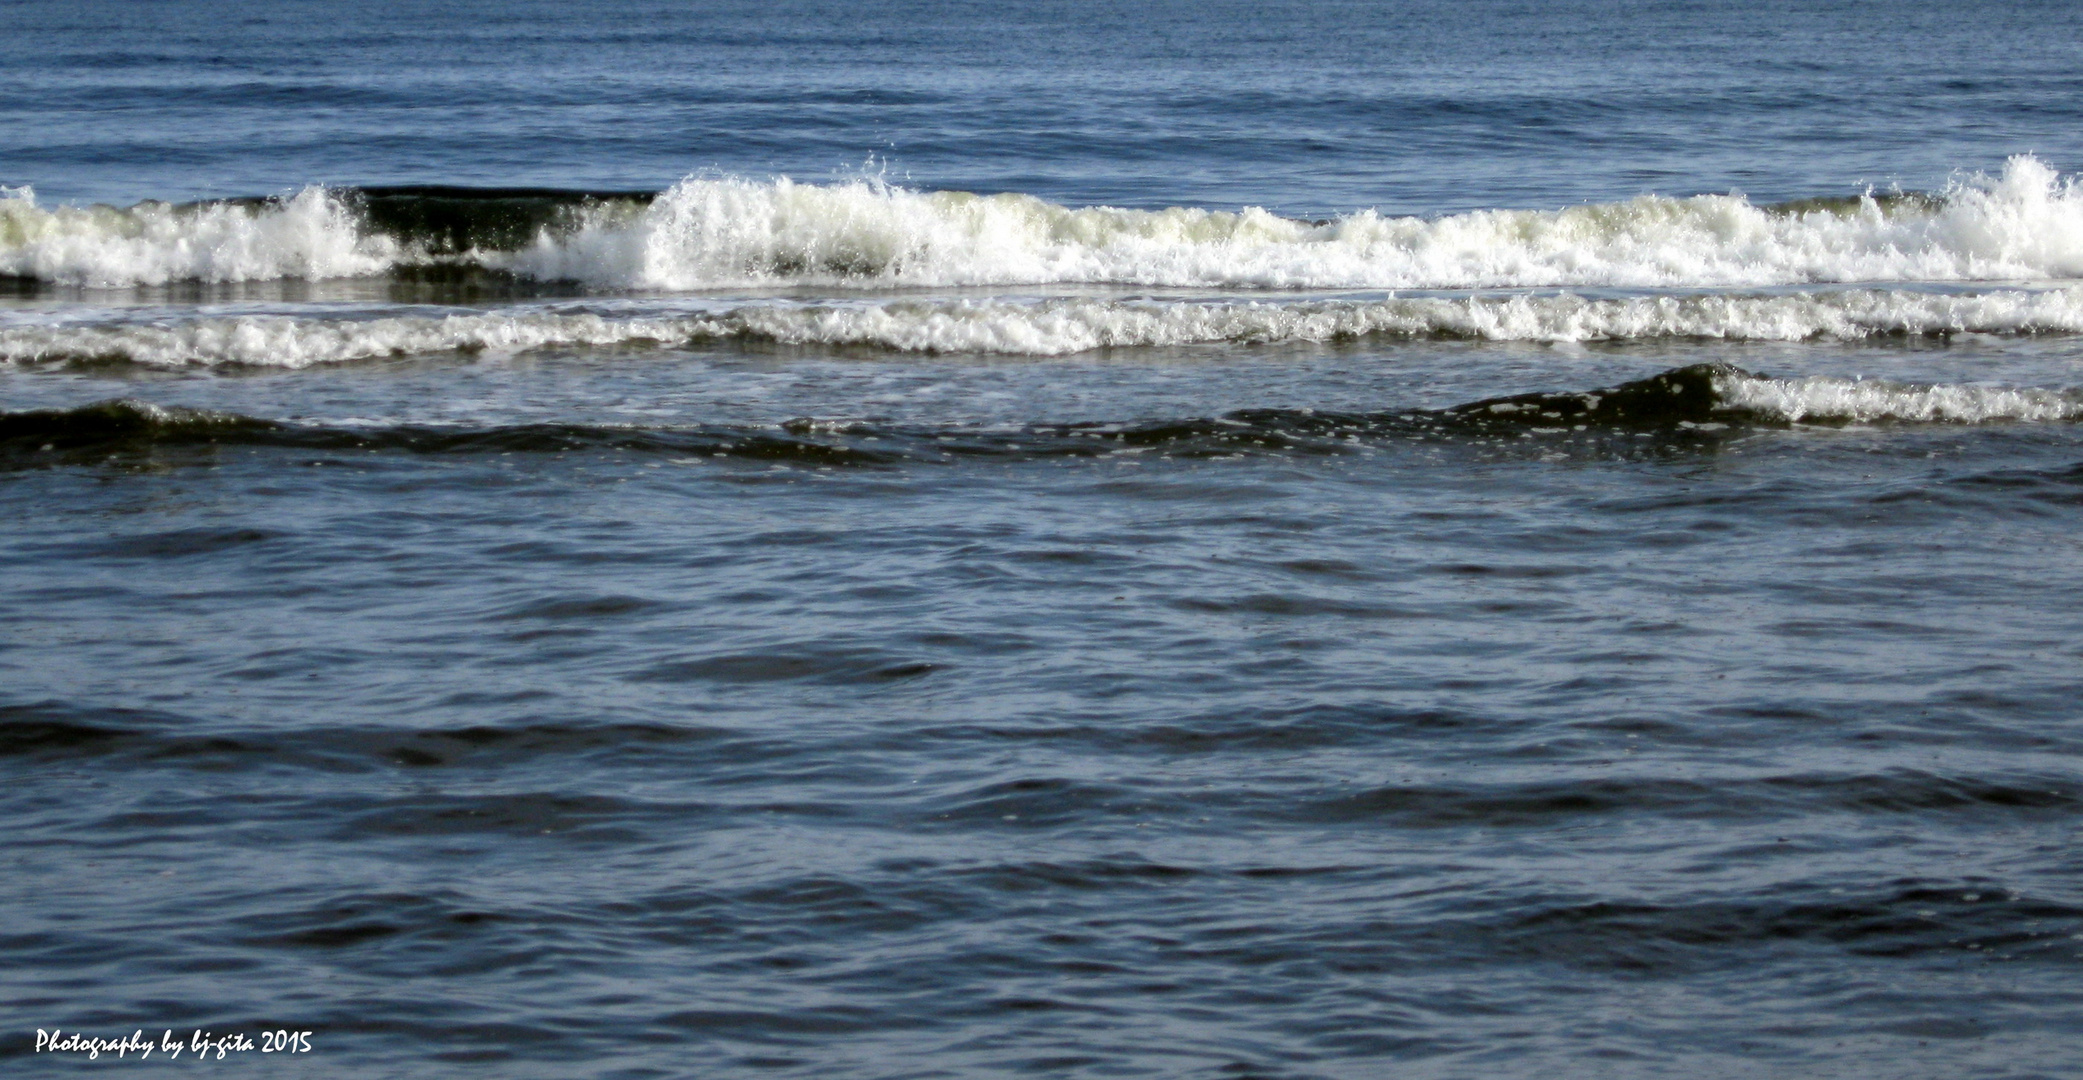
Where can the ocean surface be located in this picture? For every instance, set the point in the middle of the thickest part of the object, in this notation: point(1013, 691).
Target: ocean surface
point(1280, 540)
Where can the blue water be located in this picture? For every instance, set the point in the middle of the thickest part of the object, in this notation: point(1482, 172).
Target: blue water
point(1312, 108)
point(1576, 584)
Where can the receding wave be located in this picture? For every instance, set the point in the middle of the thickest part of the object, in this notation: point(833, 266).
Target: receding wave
point(1054, 327)
point(708, 232)
point(1682, 402)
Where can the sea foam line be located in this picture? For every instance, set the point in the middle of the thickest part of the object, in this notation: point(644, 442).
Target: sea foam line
point(1052, 327)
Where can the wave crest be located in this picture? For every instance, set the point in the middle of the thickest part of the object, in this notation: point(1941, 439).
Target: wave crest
point(1822, 400)
point(311, 235)
point(2026, 223)
point(712, 232)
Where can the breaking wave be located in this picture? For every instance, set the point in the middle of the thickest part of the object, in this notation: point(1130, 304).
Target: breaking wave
point(710, 232)
point(1703, 394)
point(1055, 327)
point(310, 236)
point(1869, 401)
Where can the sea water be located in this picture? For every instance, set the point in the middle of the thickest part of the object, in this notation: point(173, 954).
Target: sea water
point(1293, 539)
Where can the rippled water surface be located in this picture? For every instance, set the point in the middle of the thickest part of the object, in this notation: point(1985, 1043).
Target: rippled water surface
point(1509, 608)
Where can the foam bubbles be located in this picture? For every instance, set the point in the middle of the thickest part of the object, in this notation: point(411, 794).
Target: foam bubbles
point(295, 342)
point(309, 236)
point(1045, 327)
point(1831, 400)
point(709, 232)
point(2024, 224)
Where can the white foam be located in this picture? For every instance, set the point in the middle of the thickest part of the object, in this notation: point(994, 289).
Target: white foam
point(292, 342)
point(1040, 327)
point(1830, 400)
point(309, 236)
point(2026, 224)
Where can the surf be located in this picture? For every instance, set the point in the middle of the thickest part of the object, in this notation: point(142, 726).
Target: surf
point(712, 232)
point(1013, 326)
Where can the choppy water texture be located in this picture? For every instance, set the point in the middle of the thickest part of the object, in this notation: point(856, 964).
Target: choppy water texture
point(1275, 540)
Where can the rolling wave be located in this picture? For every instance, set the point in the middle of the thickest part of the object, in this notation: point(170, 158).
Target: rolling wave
point(711, 232)
point(1057, 327)
point(1680, 402)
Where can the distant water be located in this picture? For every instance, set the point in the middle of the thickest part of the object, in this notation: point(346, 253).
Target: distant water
point(1475, 540)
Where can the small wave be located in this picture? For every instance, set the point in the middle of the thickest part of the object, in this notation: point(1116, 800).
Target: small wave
point(121, 427)
point(1842, 401)
point(120, 421)
point(709, 232)
point(1726, 395)
point(1053, 327)
point(1683, 402)
point(293, 342)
